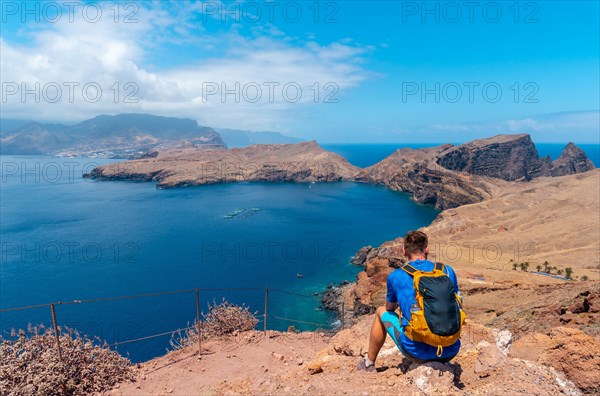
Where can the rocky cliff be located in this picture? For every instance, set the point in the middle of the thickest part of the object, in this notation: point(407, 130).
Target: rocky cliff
point(512, 157)
point(449, 176)
point(301, 162)
point(572, 160)
point(508, 157)
point(416, 172)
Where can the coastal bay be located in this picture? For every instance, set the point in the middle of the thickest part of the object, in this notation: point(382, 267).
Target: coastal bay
point(94, 239)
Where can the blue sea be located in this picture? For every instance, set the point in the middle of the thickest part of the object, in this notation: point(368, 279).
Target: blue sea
point(65, 238)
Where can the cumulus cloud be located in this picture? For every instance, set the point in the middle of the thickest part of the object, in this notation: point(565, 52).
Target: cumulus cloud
point(75, 70)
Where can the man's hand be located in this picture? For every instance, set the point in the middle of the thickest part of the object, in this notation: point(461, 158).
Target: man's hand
point(391, 306)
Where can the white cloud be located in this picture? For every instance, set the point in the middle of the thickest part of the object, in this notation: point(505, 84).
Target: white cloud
point(105, 53)
point(576, 125)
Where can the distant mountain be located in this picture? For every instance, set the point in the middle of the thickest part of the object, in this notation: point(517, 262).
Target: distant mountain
point(9, 124)
point(36, 138)
point(119, 136)
point(240, 138)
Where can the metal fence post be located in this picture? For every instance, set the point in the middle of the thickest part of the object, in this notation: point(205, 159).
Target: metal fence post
point(266, 308)
point(198, 323)
point(56, 332)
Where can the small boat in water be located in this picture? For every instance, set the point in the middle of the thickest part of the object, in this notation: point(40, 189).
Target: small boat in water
point(299, 275)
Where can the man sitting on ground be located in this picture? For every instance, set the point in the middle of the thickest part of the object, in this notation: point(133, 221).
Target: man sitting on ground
point(430, 305)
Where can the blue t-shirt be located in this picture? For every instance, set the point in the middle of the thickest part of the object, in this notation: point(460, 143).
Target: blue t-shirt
point(400, 290)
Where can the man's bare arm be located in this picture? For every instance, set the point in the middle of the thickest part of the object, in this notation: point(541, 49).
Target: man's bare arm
point(391, 306)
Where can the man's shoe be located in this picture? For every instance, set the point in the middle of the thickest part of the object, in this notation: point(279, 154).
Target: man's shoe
point(361, 365)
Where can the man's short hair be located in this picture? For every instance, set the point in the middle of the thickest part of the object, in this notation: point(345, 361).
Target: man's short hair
point(415, 242)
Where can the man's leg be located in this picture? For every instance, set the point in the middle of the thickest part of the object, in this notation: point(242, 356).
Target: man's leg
point(378, 334)
point(384, 322)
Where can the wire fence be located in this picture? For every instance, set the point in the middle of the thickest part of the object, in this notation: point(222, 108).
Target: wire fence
point(264, 318)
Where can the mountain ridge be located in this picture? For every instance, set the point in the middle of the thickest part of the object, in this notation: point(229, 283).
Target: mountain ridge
point(115, 136)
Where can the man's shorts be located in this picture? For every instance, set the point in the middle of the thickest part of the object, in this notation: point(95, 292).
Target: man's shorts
point(391, 322)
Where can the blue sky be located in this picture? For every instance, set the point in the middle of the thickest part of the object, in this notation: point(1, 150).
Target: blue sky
point(397, 71)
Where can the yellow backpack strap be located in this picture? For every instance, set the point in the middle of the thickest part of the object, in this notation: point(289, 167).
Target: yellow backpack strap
point(410, 270)
point(439, 267)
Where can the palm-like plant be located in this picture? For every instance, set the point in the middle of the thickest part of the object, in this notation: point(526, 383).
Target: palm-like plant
point(546, 266)
point(569, 272)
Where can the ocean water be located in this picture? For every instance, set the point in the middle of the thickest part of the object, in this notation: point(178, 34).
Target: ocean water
point(66, 238)
point(364, 155)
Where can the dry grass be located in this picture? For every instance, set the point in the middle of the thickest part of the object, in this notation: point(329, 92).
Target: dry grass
point(29, 364)
point(220, 320)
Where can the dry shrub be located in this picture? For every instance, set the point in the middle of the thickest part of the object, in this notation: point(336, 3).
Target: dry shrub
point(29, 364)
point(220, 320)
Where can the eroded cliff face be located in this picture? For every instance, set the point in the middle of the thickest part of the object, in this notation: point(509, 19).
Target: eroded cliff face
point(512, 157)
point(417, 172)
point(507, 157)
point(301, 162)
point(449, 176)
